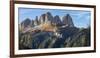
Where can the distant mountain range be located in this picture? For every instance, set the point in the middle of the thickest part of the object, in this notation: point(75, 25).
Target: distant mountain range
point(46, 21)
point(49, 31)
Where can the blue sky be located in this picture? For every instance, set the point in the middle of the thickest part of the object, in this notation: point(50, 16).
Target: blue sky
point(80, 18)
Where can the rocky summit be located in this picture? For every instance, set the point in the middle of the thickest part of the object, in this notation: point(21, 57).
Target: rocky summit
point(47, 18)
point(67, 20)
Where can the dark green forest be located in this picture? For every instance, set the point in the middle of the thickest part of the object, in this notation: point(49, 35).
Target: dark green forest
point(72, 37)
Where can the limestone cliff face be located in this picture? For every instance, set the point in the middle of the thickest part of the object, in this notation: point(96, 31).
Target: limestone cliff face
point(57, 20)
point(26, 23)
point(42, 18)
point(36, 21)
point(67, 20)
point(48, 17)
point(46, 21)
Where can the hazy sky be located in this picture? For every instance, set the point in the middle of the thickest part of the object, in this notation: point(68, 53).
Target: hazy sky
point(80, 18)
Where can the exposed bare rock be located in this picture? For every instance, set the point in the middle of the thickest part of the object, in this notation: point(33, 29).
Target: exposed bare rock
point(36, 21)
point(42, 18)
point(48, 17)
point(67, 20)
point(57, 20)
point(26, 23)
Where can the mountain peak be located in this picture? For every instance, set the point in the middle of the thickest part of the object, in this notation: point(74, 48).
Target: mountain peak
point(67, 14)
point(26, 22)
point(36, 22)
point(42, 18)
point(48, 17)
point(67, 20)
point(57, 20)
point(48, 13)
point(27, 19)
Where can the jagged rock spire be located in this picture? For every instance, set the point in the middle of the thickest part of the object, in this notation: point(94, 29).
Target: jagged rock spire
point(42, 18)
point(48, 17)
point(57, 20)
point(26, 22)
point(67, 20)
point(36, 22)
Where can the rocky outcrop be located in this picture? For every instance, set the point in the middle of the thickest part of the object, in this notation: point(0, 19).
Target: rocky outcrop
point(57, 20)
point(36, 21)
point(47, 22)
point(26, 23)
point(42, 18)
point(48, 17)
point(32, 25)
point(67, 20)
